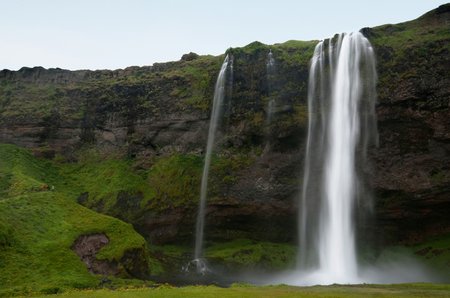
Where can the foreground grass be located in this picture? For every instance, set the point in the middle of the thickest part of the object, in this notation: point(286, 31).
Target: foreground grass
point(401, 290)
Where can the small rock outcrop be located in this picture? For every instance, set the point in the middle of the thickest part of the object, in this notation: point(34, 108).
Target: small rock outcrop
point(132, 264)
point(87, 246)
point(189, 57)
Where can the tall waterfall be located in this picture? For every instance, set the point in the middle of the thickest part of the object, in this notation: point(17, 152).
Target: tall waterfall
point(342, 123)
point(216, 112)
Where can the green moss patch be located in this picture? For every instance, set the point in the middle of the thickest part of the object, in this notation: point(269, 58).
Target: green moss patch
point(248, 254)
point(103, 178)
point(171, 181)
point(175, 180)
point(435, 252)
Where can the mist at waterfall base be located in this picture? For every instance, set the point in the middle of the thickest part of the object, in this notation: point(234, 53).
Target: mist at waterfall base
point(391, 268)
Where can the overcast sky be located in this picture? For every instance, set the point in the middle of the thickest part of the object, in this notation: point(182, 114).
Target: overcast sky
point(99, 34)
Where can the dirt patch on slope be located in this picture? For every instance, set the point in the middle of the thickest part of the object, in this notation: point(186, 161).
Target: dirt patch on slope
point(87, 246)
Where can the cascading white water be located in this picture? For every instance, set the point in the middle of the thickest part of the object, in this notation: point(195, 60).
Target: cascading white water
point(216, 112)
point(270, 108)
point(270, 69)
point(341, 101)
point(270, 62)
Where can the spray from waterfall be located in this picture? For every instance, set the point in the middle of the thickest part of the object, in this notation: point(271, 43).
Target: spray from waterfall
point(341, 103)
point(216, 113)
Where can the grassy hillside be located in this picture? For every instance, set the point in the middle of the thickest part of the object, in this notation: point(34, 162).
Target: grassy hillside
point(38, 224)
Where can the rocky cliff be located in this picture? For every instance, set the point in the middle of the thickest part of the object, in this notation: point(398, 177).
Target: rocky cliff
point(155, 119)
point(412, 161)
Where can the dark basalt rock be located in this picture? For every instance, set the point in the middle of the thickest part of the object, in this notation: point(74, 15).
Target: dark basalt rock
point(189, 57)
point(367, 32)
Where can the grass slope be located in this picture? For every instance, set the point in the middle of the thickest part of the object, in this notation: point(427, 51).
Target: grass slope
point(38, 225)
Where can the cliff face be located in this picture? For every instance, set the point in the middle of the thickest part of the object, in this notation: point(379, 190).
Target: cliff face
point(156, 118)
point(412, 161)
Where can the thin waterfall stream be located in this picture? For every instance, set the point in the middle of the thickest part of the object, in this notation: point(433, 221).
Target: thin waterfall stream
point(270, 69)
point(216, 113)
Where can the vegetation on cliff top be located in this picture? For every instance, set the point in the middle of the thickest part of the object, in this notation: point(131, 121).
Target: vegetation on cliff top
point(411, 50)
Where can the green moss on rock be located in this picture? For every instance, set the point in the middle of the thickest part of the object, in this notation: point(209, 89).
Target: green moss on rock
point(248, 254)
point(175, 180)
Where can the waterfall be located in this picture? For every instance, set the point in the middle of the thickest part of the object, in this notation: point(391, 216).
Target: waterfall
point(270, 70)
point(270, 108)
point(270, 62)
point(341, 105)
point(216, 112)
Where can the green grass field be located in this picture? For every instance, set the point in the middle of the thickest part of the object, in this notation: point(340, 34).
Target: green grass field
point(239, 291)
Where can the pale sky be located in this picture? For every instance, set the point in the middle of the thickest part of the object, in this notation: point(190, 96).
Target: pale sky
point(110, 34)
